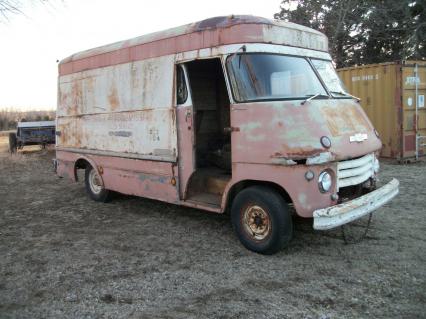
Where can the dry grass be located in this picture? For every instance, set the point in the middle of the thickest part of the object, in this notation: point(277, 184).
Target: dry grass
point(6, 133)
point(63, 255)
point(4, 144)
point(21, 155)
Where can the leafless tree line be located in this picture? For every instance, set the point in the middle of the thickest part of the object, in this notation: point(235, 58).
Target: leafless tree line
point(10, 117)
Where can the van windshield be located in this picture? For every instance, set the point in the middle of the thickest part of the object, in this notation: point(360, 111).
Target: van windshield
point(259, 76)
point(331, 79)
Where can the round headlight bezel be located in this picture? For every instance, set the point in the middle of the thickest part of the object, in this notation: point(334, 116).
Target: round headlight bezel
point(325, 141)
point(325, 182)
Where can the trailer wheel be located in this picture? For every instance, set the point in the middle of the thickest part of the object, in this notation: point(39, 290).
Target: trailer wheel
point(261, 220)
point(12, 142)
point(94, 187)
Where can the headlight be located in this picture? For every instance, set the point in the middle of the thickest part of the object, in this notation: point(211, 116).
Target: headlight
point(376, 165)
point(325, 141)
point(324, 182)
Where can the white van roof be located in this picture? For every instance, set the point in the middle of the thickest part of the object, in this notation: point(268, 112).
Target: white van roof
point(36, 124)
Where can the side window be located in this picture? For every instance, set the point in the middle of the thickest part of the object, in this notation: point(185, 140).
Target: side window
point(182, 91)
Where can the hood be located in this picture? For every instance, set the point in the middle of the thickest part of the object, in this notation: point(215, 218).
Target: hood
point(276, 132)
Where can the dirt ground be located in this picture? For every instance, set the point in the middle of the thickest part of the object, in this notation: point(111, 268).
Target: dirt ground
point(65, 256)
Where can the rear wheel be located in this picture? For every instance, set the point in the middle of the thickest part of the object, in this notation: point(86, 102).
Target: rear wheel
point(12, 142)
point(261, 220)
point(94, 187)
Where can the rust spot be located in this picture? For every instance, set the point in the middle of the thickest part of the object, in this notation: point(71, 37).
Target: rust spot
point(410, 143)
point(63, 98)
point(298, 153)
point(113, 99)
point(76, 93)
point(228, 21)
point(65, 133)
point(344, 119)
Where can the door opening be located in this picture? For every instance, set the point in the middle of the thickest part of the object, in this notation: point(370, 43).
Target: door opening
point(212, 143)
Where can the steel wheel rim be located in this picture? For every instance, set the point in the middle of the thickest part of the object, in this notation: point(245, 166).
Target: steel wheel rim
point(94, 182)
point(256, 222)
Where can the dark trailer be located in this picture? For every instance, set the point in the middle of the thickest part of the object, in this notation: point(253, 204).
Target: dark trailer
point(32, 133)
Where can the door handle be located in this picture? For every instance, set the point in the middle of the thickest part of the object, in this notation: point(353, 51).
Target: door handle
point(188, 118)
point(231, 129)
point(187, 114)
point(238, 108)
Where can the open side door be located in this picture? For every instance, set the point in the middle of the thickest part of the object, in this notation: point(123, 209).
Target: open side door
point(185, 128)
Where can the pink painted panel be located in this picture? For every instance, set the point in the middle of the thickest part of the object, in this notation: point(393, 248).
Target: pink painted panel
point(185, 146)
point(65, 166)
point(151, 179)
point(272, 132)
point(240, 33)
point(305, 194)
point(141, 184)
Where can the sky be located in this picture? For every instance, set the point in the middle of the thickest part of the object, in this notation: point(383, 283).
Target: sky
point(31, 43)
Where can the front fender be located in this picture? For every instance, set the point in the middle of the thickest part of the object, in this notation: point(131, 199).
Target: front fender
point(304, 194)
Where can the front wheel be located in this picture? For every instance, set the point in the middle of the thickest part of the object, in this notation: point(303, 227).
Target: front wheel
point(94, 187)
point(261, 220)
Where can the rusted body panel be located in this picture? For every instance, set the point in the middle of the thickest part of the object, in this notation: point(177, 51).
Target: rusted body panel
point(152, 179)
point(117, 111)
point(111, 108)
point(275, 132)
point(271, 135)
point(204, 34)
point(304, 194)
point(186, 147)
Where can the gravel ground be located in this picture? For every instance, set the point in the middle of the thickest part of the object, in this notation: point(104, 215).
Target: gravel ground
point(65, 256)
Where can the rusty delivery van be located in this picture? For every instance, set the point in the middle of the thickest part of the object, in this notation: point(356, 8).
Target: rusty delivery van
point(237, 113)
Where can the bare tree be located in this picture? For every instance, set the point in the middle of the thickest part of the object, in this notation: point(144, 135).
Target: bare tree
point(11, 7)
point(10, 116)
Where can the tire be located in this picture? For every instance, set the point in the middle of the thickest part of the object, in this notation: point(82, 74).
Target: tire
point(12, 142)
point(94, 190)
point(261, 220)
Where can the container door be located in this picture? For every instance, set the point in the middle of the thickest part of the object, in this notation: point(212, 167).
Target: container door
point(185, 128)
point(414, 110)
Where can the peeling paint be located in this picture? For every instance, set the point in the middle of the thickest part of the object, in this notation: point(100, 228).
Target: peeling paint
point(320, 158)
point(153, 178)
point(116, 103)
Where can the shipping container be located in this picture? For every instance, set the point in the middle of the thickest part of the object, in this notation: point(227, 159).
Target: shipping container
point(393, 96)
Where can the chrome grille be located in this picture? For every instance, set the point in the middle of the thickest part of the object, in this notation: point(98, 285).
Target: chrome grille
point(356, 171)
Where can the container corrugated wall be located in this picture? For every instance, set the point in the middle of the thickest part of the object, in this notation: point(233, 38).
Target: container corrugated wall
point(390, 95)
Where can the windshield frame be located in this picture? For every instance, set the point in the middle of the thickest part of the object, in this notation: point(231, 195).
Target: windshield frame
point(306, 58)
point(344, 94)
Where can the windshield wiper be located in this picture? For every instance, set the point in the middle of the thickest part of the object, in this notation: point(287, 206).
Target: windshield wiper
point(346, 94)
point(313, 97)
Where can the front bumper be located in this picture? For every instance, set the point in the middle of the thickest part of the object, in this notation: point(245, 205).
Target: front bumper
point(334, 216)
